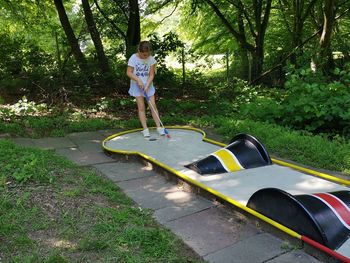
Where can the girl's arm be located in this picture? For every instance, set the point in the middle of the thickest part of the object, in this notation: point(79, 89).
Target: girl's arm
point(150, 76)
point(131, 75)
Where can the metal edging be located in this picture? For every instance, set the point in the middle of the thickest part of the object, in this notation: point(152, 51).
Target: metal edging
point(325, 249)
point(232, 201)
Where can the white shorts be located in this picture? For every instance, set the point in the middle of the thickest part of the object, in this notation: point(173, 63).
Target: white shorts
point(137, 92)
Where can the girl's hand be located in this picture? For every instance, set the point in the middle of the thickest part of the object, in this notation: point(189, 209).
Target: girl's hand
point(140, 84)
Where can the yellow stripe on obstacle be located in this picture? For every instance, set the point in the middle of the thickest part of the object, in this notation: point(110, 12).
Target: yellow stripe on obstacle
point(228, 160)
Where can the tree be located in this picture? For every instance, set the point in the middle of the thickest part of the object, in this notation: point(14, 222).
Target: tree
point(325, 39)
point(133, 34)
point(96, 39)
point(324, 17)
point(124, 19)
point(72, 40)
point(295, 14)
point(256, 22)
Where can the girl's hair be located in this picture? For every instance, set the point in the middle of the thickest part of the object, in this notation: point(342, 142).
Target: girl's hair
point(145, 46)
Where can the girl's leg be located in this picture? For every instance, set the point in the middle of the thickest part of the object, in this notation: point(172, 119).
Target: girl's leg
point(142, 111)
point(154, 116)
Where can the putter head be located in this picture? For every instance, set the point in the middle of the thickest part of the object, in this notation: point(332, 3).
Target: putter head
point(167, 133)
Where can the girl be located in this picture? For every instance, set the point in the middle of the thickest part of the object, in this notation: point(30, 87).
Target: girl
point(141, 71)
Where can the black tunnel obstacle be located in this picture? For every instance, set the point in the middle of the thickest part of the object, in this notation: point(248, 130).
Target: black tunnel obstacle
point(323, 217)
point(243, 152)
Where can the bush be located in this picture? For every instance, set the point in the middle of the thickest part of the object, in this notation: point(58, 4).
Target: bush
point(314, 104)
point(310, 102)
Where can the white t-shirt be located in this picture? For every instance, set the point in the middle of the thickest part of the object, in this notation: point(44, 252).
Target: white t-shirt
point(142, 68)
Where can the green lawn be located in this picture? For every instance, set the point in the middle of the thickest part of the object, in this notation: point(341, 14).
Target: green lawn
point(54, 211)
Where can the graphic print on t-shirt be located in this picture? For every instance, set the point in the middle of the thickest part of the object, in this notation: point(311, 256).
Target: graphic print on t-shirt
point(142, 69)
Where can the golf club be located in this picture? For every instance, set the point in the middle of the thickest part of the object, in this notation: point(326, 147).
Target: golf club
point(149, 102)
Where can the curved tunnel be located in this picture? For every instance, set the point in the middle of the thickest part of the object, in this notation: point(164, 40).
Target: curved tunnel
point(243, 152)
point(323, 217)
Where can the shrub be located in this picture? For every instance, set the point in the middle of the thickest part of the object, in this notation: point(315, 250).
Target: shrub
point(310, 102)
point(314, 104)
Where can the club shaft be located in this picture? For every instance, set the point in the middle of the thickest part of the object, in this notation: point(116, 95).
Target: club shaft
point(155, 112)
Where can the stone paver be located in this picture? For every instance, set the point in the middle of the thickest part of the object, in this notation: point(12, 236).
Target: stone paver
point(210, 230)
point(110, 132)
point(86, 136)
point(84, 158)
point(294, 257)
point(179, 210)
point(255, 249)
point(155, 192)
point(53, 143)
point(26, 142)
point(121, 171)
point(88, 141)
point(92, 146)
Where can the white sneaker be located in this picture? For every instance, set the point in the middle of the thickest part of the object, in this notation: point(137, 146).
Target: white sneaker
point(145, 133)
point(161, 131)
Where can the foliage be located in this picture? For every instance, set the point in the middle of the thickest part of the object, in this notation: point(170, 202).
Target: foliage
point(163, 46)
point(23, 108)
point(315, 104)
point(20, 164)
point(310, 102)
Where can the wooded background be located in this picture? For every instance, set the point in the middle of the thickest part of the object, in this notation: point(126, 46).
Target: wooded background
point(286, 57)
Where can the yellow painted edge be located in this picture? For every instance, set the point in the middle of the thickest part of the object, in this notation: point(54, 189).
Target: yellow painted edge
point(208, 189)
point(204, 138)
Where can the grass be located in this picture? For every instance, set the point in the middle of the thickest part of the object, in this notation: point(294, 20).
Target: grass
point(53, 211)
point(72, 214)
point(300, 146)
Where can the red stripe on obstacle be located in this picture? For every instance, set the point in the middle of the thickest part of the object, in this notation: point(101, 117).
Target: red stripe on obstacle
point(341, 209)
point(325, 249)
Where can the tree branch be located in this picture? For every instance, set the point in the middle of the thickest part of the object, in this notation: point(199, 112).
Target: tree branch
point(294, 50)
point(242, 9)
point(266, 15)
point(240, 38)
point(121, 32)
point(308, 10)
point(161, 21)
point(119, 4)
point(284, 16)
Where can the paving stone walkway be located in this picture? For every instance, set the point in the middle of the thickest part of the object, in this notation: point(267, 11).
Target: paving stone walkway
point(216, 234)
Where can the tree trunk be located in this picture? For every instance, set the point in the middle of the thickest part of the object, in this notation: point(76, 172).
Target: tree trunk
point(262, 16)
point(133, 34)
point(95, 36)
point(326, 57)
point(298, 25)
point(244, 71)
point(72, 40)
point(257, 24)
point(257, 63)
